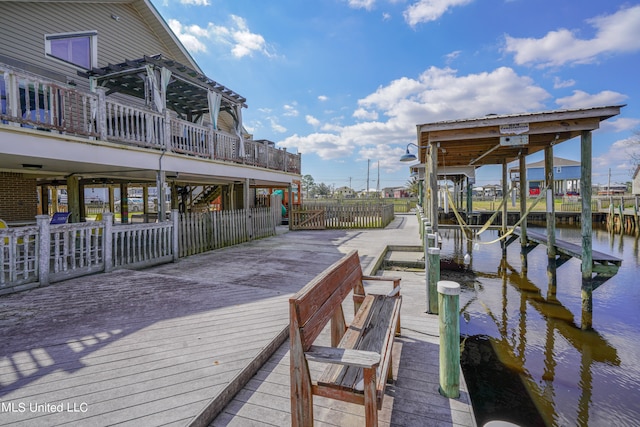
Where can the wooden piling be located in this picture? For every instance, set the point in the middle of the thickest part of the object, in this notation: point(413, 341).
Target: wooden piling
point(448, 307)
point(433, 277)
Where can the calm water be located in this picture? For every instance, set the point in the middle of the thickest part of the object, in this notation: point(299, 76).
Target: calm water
point(569, 375)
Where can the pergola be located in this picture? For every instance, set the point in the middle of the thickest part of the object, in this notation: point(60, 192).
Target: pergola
point(458, 147)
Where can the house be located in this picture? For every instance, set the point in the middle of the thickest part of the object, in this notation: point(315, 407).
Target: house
point(101, 94)
point(344, 192)
point(566, 177)
point(635, 185)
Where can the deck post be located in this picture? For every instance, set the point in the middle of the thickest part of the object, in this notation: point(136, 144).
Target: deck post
point(551, 211)
point(175, 239)
point(523, 209)
point(107, 218)
point(585, 193)
point(449, 320)
point(587, 231)
point(433, 277)
point(433, 184)
point(469, 198)
point(505, 189)
point(44, 248)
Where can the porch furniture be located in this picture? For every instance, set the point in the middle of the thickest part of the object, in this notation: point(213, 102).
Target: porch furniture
point(359, 359)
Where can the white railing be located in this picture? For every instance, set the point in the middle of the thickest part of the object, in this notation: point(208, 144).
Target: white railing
point(142, 245)
point(190, 138)
point(38, 255)
point(74, 250)
point(133, 125)
point(19, 254)
point(29, 101)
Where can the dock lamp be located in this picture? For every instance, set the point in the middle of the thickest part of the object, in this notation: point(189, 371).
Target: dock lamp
point(408, 157)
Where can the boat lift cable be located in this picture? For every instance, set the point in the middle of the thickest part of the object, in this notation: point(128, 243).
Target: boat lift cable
point(505, 235)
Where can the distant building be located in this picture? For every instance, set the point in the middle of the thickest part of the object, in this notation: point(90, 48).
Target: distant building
point(566, 177)
point(344, 192)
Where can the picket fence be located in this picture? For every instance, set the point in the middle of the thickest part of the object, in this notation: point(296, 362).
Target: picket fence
point(41, 254)
point(324, 215)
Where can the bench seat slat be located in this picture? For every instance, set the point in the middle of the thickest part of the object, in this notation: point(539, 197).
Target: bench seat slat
point(371, 330)
point(343, 356)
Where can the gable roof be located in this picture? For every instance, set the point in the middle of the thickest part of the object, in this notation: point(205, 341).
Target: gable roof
point(150, 14)
point(557, 161)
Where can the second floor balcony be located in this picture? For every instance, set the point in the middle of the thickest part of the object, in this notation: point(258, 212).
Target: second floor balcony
point(128, 106)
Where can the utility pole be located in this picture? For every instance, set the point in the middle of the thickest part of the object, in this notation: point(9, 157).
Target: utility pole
point(367, 190)
point(378, 184)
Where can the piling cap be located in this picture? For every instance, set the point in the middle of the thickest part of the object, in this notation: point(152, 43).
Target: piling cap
point(447, 287)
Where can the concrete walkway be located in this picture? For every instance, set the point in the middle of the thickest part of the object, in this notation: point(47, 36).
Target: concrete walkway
point(172, 345)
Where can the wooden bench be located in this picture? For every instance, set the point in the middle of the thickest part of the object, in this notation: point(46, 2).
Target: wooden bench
point(359, 359)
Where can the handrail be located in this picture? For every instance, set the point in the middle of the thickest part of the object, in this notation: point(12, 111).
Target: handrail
point(28, 100)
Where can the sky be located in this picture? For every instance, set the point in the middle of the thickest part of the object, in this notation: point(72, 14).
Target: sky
point(345, 82)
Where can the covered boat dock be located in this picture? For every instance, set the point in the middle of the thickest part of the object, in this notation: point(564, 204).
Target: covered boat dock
point(453, 150)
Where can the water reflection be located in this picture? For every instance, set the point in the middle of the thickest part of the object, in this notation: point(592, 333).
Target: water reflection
point(547, 330)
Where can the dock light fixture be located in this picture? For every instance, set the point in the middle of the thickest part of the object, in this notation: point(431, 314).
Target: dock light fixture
point(408, 157)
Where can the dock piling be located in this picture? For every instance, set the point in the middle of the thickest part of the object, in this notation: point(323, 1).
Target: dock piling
point(449, 320)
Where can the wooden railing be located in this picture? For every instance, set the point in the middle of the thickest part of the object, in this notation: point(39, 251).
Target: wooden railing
point(357, 215)
point(38, 255)
point(201, 232)
point(29, 101)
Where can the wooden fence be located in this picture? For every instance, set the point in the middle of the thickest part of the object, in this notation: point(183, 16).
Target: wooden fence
point(37, 255)
point(201, 232)
point(352, 215)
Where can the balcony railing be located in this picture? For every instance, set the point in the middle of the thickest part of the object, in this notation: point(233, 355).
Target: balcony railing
point(29, 101)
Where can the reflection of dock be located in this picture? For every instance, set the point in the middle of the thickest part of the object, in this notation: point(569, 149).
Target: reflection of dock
point(511, 346)
point(604, 265)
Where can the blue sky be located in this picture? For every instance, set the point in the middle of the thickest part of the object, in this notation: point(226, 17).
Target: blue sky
point(347, 81)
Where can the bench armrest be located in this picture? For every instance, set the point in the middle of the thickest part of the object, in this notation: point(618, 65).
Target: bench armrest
point(342, 356)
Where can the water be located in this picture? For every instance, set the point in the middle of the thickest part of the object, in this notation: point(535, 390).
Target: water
point(528, 350)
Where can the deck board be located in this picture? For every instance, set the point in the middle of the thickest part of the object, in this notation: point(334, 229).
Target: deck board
point(160, 346)
point(569, 248)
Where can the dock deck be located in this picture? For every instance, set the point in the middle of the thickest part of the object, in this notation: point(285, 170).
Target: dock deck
point(602, 263)
point(171, 345)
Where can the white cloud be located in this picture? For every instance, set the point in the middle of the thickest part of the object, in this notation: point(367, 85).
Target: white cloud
point(275, 125)
point(312, 120)
point(290, 110)
point(560, 84)
point(323, 98)
point(362, 4)
point(363, 114)
point(437, 94)
point(581, 99)
point(619, 125)
point(325, 145)
point(621, 154)
point(616, 33)
point(189, 36)
point(196, 2)
point(430, 10)
point(237, 36)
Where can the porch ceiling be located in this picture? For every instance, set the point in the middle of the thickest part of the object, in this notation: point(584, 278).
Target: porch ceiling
point(186, 94)
point(477, 142)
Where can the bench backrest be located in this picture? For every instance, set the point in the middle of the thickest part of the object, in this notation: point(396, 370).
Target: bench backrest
point(314, 305)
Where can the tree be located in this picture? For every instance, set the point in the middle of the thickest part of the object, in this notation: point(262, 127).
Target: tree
point(413, 186)
point(323, 189)
point(308, 185)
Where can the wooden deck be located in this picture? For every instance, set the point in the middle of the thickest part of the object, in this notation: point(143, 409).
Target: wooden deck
point(411, 400)
point(170, 345)
point(601, 262)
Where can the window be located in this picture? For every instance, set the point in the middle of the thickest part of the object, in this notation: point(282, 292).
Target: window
point(79, 49)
